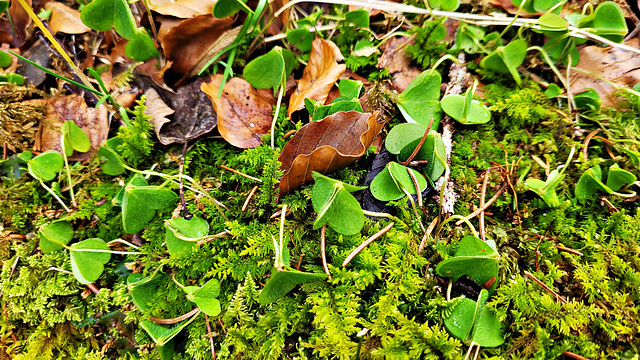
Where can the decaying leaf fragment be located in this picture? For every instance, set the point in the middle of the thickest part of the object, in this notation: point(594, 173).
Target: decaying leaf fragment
point(618, 65)
point(65, 19)
point(93, 121)
point(319, 76)
point(397, 63)
point(243, 116)
point(182, 8)
point(326, 146)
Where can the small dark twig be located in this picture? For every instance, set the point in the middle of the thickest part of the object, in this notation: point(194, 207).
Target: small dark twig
point(175, 320)
point(544, 286)
point(322, 249)
point(422, 140)
point(210, 336)
point(185, 212)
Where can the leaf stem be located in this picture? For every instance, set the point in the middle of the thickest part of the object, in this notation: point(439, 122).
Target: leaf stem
point(366, 243)
point(54, 195)
point(66, 165)
point(275, 117)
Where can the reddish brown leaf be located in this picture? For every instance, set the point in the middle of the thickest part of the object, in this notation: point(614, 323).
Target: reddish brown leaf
point(21, 22)
point(319, 76)
point(94, 122)
point(617, 65)
point(186, 41)
point(185, 9)
point(326, 146)
point(397, 63)
point(65, 19)
point(243, 116)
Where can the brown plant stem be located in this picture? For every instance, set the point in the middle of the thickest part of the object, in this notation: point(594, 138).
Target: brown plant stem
point(322, 250)
point(246, 202)
point(176, 319)
point(486, 205)
point(422, 140)
point(574, 356)
point(545, 287)
point(241, 174)
point(483, 193)
point(366, 243)
point(210, 336)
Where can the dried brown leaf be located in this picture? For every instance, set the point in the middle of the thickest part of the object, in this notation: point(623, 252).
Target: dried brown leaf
point(185, 42)
point(243, 116)
point(617, 65)
point(94, 122)
point(397, 63)
point(185, 9)
point(65, 19)
point(21, 22)
point(326, 146)
point(319, 76)
point(158, 110)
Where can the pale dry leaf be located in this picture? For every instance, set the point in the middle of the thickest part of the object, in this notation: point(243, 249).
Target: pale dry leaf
point(319, 76)
point(184, 9)
point(93, 121)
point(397, 63)
point(65, 19)
point(326, 146)
point(157, 109)
point(243, 116)
point(21, 23)
point(617, 65)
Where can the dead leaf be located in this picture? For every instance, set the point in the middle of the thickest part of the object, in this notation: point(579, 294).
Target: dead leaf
point(243, 116)
point(193, 114)
point(320, 74)
point(186, 41)
point(65, 19)
point(326, 146)
point(278, 23)
point(40, 54)
point(397, 63)
point(185, 9)
point(94, 122)
point(617, 65)
point(21, 22)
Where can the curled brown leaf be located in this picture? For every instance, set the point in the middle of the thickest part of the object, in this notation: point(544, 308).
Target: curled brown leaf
point(319, 76)
point(65, 19)
point(326, 146)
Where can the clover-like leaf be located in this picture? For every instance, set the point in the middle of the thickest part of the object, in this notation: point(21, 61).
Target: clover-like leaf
point(139, 205)
point(590, 182)
point(88, 265)
point(359, 17)
point(182, 234)
point(335, 205)
point(475, 258)
point(46, 166)
point(300, 37)
point(73, 138)
point(404, 138)
point(141, 47)
point(619, 177)
point(281, 282)
point(5, 58)
point(464, 109)
point(587, 100)
point(206, 297)
point(470, 321)
point(506, 59)
point(110, 161)
point(607, 20)
point(143, 289)
point(267, 71)
point(226, 8)
point(394, 182)
point(546, 189)
point(420, 101)
point(162, 335)
point(55, 235)
point(446, 5)
point(103, 15)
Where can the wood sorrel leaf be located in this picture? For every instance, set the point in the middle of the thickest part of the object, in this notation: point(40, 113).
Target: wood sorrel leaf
point(5, 58)
point(281, 282)
point(162, 335)
point(335, 205)
point(446, 5)
point(619, 177)
point(53, 236)
point(607, 20)
point(419, 102)
point(182, 234)
point(46, 166)
point(226, 8)
point(206, 297)
point(590, 182)
point(301, 37)
point(506, 59)
point(464, 109)
point(470, 321)
point(546, 189)
point(87, 266)
point(394, 182)
point(141, 47)
point(266, 71)
point(587, 100)
point(143, 289)
point(110, 161)
point(474, 258)
point(139, 205)
point(102, 15)
point(74, 138)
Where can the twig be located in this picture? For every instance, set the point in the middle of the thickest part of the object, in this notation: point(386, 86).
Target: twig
point(246, 202)
point(322, 250)
point(241, 174)
point(432, 226)
point(210, 336)
point(486, 205)
point(176, 319)
point(566, 249)
point(574, 356)
point(544, 286)
point(585, 143)
point(366, 243)
point(416, 185)
point(483, 193)
point(422, 140)
point(94, 289)
point(213, 237)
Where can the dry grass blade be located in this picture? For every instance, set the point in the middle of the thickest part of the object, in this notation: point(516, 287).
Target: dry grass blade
point(544, 286)
point(366, 243)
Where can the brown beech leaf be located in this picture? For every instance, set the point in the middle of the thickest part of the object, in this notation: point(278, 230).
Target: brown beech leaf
point(65, 19)
point(243, 116)
point(617, 65)
point(158, 110)
point(186, 41)
point(397, 63)
point(326, 146)
point(193, 115)
point(319, 76)
point(185, 9)
point(94, 122)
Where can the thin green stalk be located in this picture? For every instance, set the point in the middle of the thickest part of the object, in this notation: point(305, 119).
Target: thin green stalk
point(66, 165)
point(54, 195)
point(275, 117)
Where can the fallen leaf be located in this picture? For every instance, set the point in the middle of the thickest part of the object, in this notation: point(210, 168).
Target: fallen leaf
point(278, 23)
point(158, 110)
point(397, 63)
point(40, 54)
point(319, 76)
point(326, 146)
point(21, 22)
point(193, 115)
point(185, 9)
point(617, 65)
point(65, 19)
point(243, 116)
point(94, 122)
point(185, 42)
